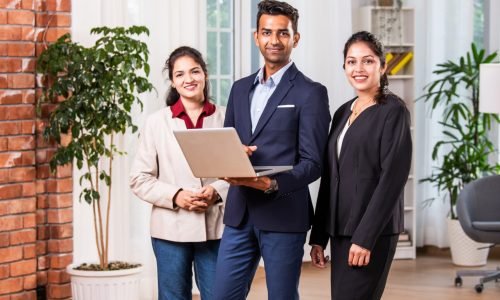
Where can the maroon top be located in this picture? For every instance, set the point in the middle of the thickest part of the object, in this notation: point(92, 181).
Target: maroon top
point(178, 111)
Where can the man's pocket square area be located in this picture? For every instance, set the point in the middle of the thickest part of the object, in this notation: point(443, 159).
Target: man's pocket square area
point(286, 106)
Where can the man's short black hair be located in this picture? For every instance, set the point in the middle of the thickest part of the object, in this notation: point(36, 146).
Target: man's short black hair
point(273, 7)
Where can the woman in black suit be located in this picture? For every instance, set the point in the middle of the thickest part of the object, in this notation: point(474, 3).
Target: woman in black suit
point(360, 202)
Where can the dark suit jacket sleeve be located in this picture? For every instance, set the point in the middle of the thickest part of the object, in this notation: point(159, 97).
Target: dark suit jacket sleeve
point(229, 118)
point(313, 133)
point(395, 158)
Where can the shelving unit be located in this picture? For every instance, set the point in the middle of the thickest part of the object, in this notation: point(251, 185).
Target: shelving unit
point(395, 27)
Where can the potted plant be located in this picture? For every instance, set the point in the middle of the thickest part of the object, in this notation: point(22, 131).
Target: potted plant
point(98, 86)
point(462, 155)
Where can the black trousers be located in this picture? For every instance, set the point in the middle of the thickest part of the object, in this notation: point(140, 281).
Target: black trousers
point(361, 283)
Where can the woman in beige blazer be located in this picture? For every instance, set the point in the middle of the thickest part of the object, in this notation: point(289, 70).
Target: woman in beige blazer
point(186, 218)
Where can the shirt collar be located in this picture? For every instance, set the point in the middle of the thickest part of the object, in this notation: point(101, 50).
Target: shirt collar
point(178, 109)
point(275, 78)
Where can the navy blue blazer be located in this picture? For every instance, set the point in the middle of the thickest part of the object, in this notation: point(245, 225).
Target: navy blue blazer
point(292, 130)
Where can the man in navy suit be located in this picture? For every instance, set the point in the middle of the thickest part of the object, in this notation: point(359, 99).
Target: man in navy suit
point(285, 118)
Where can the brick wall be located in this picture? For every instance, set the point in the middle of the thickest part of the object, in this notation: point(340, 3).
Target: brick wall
point(35, 206)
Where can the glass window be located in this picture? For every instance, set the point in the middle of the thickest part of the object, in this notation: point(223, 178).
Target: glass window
point(220, 48)
point(479, 23)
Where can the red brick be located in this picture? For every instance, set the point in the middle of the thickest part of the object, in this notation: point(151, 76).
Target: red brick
point(4, 271)
point(17, 206)
point(53, 5)
point(23, 237)
point(50, 34)
point(4, 82)
point(11, 285)
point(59, 261)
point(28, 65)
point(41, 277)
point(8, 191)
point(10, 254)
point(17, 112)
point(30, 283)
point(58, 216)
point(11, 33)
point(10, 65)
point(10, 97)
point(60, 200)
point(54, 19)
point(27, 4)
point(28, 34)
point(64, 185)
point(23, 267)
point(58, 276)
point(42, 234)
point(13, 159)
point(21, 142)
point(60, 246)
point(25, 295)
point(41, 216)
point(21, 17)
point(22, 174)
point(4, 239)
point(21, 81)
point(27, 127)
point(64, 171)
point(44, 155)
point(3, 17)
point(43, 262)
point(10, 3)
point(61, 231)
point(41, 248)
point(10, 128)
point(29, 251)
point(56, 291)
point(41, 200)
point(42, 172)
point(21, 49)
point(29, 220)
point(11, 222)
point(4, 177)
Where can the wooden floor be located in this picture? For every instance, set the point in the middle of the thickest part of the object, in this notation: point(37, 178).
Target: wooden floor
point(428, 277)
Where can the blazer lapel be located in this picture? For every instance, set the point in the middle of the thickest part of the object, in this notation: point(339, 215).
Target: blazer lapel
point(279, 94)
point(335, 135)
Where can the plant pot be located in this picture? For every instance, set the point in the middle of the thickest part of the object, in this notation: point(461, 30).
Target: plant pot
point(105, 285)
point(465, 251)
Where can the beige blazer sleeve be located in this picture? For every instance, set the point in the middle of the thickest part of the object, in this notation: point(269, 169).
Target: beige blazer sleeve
point(143, 177)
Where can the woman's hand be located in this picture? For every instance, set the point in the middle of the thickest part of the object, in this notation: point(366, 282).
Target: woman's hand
point(358, 256)
point(208, 194)
point(318, 258)
point(190, 201)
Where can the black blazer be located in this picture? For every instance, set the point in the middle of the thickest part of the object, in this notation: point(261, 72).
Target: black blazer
point(361, 191)
point(293, 130)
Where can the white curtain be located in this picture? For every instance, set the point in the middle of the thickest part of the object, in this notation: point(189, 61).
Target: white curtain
point(444, 31)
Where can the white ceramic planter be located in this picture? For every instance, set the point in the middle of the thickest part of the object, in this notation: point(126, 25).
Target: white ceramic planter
point(464, 251)
point(105, 285)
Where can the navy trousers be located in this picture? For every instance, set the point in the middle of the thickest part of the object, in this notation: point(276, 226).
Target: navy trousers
point(239, 254)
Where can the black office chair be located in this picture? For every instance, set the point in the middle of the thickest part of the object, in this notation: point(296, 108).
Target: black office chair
point(478, 210)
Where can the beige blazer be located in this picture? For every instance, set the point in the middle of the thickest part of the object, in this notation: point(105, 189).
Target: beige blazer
point(160, 170)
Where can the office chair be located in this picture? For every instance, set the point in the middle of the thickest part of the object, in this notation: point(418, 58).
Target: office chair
point(478, 210)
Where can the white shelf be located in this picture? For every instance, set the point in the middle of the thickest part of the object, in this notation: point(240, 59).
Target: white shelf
point(396, 30)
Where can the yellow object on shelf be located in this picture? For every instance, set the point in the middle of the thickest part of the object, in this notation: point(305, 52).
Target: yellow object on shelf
point(388, 57)
point(403, 62)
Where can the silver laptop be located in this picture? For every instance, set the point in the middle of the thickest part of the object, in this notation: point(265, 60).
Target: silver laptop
point(218, 153)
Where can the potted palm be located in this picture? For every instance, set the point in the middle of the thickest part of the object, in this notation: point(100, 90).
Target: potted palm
point(462, 156)
point(99, 86)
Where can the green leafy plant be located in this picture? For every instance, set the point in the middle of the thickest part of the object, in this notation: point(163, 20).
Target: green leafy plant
point(464, 152)
point(99, 85)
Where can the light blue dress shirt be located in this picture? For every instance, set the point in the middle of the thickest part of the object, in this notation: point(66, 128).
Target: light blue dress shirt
point(263, 91)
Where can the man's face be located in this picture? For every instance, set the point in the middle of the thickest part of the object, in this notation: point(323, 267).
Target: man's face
point(276, 39)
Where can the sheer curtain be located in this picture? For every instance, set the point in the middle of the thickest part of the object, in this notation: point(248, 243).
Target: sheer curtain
point(444, 31)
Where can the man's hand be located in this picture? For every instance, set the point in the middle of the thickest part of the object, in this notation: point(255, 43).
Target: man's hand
point(260, 183)
point(358, 256)
point(190, 201)
point(249, 149)
point(318, 258)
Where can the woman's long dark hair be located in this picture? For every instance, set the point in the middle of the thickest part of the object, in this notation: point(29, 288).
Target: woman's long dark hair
point(173, 95)
point(376, 46)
